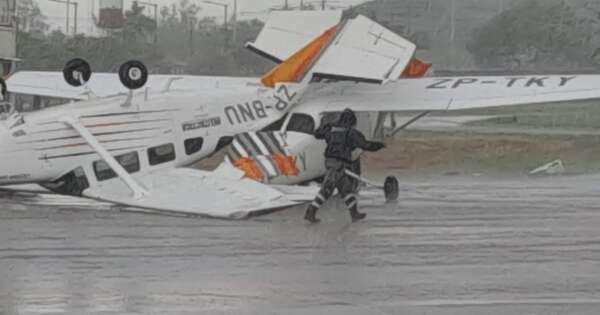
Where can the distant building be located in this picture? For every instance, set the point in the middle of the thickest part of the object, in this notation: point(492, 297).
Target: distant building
point(8, 37)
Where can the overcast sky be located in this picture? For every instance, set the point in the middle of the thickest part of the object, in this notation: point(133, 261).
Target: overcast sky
point(56, 12)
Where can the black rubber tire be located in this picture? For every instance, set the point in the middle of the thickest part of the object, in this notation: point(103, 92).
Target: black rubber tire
point(2, 89)
point(133, 74)
point(77, 65)
point(391, 188)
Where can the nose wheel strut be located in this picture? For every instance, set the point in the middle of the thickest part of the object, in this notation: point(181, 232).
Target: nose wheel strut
point(390, 187)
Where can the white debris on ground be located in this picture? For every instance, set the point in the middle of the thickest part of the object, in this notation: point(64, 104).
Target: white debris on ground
point(553, 168)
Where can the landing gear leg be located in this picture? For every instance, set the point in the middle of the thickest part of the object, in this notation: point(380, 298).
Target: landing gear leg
point(390, 187)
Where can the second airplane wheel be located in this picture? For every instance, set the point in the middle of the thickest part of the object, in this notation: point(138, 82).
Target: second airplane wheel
point(77, 71)
point(391, 189)
point(133, 74)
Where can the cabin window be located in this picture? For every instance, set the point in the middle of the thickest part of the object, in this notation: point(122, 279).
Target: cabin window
point(161, 154)
point(73, 183)
point(330, 118)
point(301, 123)
point(129, 161)
point(223, 142)
point(193, 145)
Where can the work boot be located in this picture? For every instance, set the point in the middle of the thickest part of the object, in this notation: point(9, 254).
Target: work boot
point(357, 216)
point(311, 215)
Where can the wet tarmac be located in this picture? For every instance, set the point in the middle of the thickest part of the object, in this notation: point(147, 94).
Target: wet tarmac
point(452, 245)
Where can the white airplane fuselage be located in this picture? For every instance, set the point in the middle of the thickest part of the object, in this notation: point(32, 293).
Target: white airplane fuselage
point(43, 148)
point(155, 131)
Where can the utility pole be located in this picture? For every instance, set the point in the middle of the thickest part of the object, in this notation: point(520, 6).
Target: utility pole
point(453, 21)
point(155, 6)
point(191, 38)
point(323, 3)
point(235, 13)
point(286, 5)
point(75, 17)
point(224, 5)
point(68, 11)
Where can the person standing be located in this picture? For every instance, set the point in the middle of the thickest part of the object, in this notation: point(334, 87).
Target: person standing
point(342, 138)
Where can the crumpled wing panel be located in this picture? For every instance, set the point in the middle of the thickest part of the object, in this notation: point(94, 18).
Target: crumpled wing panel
point(189, 191)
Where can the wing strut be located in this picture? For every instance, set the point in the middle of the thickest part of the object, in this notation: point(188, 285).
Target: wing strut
point(410, 122)
point(138, 191)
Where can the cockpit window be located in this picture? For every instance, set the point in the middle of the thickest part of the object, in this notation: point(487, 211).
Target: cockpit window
point(302, 123)
point(330, 118)
point(5, 108)
point(129, 161)
point(193, 145)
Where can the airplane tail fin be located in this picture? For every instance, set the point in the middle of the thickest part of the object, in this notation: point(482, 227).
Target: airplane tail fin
point(356, 49)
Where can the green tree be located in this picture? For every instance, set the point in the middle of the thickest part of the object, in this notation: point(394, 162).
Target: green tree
point(30, 17)
point(198, 46)
point(533, 34)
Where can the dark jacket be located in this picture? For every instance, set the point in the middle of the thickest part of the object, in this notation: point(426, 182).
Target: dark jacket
point(342, 138)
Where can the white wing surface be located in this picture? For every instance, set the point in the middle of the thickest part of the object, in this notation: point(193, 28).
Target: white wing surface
point(456, 93)
point(288, 31)
point(207, 194)
point(365, 51)
point(52, 84)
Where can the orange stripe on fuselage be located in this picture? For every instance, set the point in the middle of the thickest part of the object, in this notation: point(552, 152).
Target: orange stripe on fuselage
point(295, 66)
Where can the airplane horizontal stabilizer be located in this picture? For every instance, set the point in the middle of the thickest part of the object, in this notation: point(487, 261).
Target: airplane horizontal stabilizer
point(286, 32)
point(357, 50)
point(365, 51)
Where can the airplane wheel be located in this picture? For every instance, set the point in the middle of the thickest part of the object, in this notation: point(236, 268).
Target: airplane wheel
point(2, 89)
point(133, 74)
point(77, 71)
point(391, 188)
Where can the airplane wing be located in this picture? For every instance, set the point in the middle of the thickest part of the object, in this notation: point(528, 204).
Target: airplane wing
point(455, 93)
point(202, 193)
point(52, 84)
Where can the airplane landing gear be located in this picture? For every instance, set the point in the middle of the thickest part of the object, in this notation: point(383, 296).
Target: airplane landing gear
point(133, 74)
point(391, 189)
point(77, 72)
